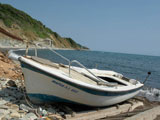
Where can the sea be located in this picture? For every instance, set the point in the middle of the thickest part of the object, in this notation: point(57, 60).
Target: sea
point(130, 65)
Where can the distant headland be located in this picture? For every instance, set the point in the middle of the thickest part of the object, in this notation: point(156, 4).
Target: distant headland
point(24, 26)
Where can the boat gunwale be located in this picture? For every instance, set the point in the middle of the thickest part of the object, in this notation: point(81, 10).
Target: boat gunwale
point(80, 83)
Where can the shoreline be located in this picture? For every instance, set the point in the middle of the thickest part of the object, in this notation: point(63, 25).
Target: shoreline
point(7, 48)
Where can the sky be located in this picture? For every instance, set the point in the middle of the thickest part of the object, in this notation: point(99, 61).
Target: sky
point(125, 26)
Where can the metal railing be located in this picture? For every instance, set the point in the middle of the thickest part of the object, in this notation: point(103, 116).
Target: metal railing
point(95, 78)
point(81, 65)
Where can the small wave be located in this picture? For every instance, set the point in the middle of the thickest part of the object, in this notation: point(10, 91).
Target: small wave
point(152, 94)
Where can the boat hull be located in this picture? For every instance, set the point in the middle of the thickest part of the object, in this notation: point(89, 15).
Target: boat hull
point(43, 87)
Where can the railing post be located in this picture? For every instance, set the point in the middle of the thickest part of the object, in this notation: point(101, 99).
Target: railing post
point(69, 68)
point(26, 53)
point(36, 51)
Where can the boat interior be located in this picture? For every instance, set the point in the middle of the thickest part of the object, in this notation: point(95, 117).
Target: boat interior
point(72, 73)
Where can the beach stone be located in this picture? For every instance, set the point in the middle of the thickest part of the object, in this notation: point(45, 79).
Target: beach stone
point(5, 107)
point(2, 102)
point(42, 112)
point(30, 116)
point(55, 117)
point(47, 118)
point(15, 107)
point(22, 101)
point(41, 119)
point(3, 83)
point(67, 110)
point(11, 83)
point(6, 117)
point(12, 88)
point(25, 108)
point(22, 113)
point(7, 92)
point(14, 119)
point(9, 98)
point(19, 95)
point(15, 114)
point(4, 79)
point(51, 111)
point(61, 113)
point(1, 115)
point(5, 112)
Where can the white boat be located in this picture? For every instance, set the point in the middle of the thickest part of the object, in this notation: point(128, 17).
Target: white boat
point(50, 82)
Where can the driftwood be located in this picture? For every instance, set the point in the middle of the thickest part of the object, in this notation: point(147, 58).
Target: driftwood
point(105, 112)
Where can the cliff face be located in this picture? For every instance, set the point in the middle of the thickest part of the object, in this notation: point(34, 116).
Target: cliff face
point(22, 25)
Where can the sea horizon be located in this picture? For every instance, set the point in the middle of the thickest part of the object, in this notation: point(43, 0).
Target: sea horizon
point(127, 53)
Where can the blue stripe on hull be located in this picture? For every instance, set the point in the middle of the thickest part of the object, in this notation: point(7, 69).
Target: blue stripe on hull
point(83, 88)
point(47, 98)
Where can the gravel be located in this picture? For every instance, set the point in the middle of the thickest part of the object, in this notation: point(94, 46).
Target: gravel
point(13, 104)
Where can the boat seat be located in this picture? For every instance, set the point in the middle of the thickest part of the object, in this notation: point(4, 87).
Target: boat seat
point(45, 62)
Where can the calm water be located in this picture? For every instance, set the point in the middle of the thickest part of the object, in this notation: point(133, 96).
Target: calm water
point(132, 66)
